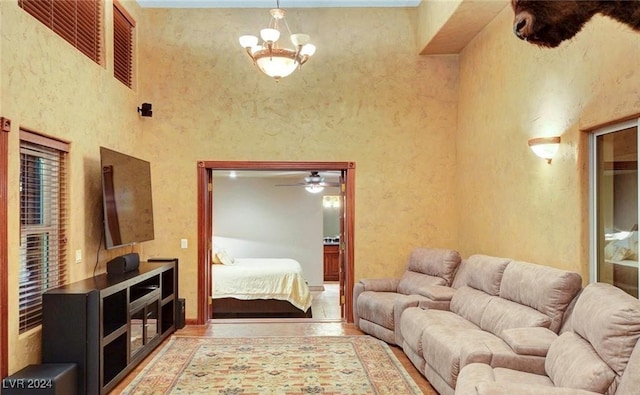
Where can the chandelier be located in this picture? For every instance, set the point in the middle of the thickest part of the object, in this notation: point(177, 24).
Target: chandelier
point(273, 59)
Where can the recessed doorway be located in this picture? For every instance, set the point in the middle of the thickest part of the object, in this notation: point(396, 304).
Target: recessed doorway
point(205, 223)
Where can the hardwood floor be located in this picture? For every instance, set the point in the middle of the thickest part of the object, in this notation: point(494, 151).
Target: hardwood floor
point(282, 327)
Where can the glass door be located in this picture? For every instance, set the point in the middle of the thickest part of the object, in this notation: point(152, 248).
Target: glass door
point(614, 198)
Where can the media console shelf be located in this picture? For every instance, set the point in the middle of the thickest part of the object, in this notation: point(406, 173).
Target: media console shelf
point(107, 324)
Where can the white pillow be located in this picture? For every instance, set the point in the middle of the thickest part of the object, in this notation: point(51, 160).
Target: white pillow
point(225, 258)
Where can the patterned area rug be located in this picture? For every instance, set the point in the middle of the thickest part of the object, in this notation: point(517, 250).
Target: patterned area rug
point(274, 365)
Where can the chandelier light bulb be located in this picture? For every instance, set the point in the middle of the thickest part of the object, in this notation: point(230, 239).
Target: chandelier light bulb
point(270, 35)
point(248, 41)
point(300, 39)
point(308, 50)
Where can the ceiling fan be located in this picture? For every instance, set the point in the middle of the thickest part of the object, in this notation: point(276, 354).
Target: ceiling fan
point(314, 183)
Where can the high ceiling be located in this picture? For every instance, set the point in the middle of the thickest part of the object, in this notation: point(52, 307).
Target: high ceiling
point(444, 26)
point(272, 3)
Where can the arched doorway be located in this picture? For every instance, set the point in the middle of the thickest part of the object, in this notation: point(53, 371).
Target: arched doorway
point(205, 204)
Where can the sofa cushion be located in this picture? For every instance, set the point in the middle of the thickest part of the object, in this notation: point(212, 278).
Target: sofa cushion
point(435, 262)
point(475, 375)
point(630, 380)
point(450, 342)
point(426, 267)
point(572, 362)
point(484, 273)
point(610, 320)
point(546, 289)
point(501, 314)
point(470, 304)
point(412, 324)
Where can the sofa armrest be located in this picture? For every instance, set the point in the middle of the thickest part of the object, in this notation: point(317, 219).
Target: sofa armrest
point(436, 297)
point(529, 341)
point(506, 388)
point(380, 284)
point(438, 293)
point(375, 285)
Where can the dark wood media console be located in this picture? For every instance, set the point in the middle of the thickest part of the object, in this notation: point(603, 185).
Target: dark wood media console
point(107, 324)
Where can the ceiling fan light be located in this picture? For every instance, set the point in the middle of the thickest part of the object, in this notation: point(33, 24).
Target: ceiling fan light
point(314, 188)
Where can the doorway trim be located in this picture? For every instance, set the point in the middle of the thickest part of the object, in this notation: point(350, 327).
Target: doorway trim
point(5, 128)
point(205, 204)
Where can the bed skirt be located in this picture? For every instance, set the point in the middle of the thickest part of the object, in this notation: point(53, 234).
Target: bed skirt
point(256, 308)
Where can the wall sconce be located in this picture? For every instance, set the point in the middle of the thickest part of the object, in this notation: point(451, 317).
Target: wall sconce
point(545, 147)
point(145, 110)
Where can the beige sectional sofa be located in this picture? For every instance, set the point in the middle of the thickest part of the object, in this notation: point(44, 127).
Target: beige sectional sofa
point(597, 352)
point(378, 303)
point(501, 326)
point(501, 305)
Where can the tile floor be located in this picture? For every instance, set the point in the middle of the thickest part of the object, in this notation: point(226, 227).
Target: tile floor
point(326, 304)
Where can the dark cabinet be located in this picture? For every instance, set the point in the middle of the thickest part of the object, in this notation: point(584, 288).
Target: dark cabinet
point(331, 262)
point(107, 324)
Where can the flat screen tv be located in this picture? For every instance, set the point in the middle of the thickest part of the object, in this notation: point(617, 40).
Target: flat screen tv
point(126, 198)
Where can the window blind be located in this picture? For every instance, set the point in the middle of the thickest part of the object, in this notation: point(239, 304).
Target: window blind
point(77, 21)
point(43, 224)
point(123, 25)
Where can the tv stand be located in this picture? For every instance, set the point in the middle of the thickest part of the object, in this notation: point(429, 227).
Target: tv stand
point(107, 324)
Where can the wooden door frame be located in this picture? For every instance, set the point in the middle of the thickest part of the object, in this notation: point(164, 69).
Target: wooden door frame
point(205, 200)
point(5, 128)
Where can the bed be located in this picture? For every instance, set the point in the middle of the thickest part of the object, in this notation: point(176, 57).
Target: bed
point(260, 288)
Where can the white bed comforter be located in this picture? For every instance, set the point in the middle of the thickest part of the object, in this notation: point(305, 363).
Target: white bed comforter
point(262, 278)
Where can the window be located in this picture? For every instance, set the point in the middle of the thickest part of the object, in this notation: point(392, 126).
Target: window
point(77, 21)
point(614, 196)
point(43, 199)
point(123, 25)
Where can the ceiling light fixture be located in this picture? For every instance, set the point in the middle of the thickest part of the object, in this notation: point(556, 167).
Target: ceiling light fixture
point(545, 147)
point(276, 61)
point(314, 188)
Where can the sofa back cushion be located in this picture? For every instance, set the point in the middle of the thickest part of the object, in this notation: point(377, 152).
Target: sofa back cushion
point(543, 288)
point(429, 266)
point(484, 273)
point(609, 319)
point(501, 314)
point(572, 362)
point(630, 380)
point(470, 304)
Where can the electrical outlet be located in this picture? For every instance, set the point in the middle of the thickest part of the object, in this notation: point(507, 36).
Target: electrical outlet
point(78, 256)
point(184, 244)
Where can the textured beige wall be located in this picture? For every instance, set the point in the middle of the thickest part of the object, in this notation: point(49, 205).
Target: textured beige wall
point(366, 96)
point(48, 86)
point(510, 202)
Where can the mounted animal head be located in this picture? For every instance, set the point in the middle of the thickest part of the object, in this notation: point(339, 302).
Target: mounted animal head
point(547, 23)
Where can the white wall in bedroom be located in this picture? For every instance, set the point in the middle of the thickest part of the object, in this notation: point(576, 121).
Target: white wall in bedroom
point(252, 218)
